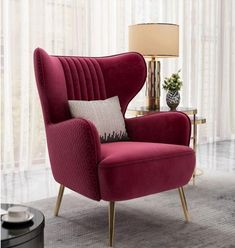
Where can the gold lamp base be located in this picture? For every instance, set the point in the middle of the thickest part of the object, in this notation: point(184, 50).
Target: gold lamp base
point(153, 85)
point(152, 103)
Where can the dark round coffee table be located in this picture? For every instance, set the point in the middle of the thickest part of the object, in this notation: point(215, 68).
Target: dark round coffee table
point(26, 235)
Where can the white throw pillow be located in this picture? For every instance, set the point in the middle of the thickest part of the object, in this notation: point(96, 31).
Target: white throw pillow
point(106, 115)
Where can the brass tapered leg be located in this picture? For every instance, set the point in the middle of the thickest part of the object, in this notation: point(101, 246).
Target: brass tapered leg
point(111, 222)
point(59, 199)
point(184, 203)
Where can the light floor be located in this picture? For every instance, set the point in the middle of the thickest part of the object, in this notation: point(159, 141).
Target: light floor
point(39, 184)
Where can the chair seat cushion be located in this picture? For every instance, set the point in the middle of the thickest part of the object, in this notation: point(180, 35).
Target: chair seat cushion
point(129, 170)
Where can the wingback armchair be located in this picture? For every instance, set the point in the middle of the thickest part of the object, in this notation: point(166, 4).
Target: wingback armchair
point(156, 158)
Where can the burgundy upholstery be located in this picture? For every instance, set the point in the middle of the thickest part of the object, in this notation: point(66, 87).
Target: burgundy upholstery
point(156, 159)
point(134, 169)
point(163, 127)
point(61, 78)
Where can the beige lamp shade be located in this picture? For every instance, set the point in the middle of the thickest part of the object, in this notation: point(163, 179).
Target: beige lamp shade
point(155, 39)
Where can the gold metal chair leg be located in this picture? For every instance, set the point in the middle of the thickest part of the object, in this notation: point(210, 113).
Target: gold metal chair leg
point(111, 222)
point(59, 199)
point(184, 203)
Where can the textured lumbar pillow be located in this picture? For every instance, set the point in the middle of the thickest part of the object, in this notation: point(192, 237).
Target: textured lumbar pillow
point(106, 115)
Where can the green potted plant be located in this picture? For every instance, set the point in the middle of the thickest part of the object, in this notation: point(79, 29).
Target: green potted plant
point(172, 85)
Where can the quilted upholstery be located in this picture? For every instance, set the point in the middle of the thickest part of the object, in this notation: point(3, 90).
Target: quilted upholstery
point(74, 149)
point(149, 163)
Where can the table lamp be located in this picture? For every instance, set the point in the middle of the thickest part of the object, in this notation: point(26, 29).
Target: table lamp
point(153, 41)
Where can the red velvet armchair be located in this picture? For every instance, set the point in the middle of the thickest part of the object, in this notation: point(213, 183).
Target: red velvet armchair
point(157, 157)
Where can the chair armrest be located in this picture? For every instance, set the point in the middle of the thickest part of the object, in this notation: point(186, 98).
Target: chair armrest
point(74, 151)
point(163, 127)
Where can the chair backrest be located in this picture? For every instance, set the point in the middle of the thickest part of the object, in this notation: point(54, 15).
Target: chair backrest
point(63, 78)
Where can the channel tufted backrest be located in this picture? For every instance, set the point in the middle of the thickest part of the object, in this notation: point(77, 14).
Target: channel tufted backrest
point(84, 78)
point(63, 78)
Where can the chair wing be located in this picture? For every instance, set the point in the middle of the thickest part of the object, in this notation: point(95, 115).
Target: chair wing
point(63, 78)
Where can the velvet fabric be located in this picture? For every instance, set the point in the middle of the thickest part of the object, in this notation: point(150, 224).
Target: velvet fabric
point(63, 78)
point(74, 150)
point(157, 157)
point(133, 169)
point(162, 127)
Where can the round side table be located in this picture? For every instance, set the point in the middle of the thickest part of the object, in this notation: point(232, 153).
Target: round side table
point(27, 235)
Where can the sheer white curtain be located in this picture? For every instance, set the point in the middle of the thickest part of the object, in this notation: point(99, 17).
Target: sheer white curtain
point(56, 26)
point(100, 27)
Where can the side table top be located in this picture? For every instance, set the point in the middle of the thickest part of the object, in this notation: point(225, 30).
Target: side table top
point(14, 234)
point(142, 110)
